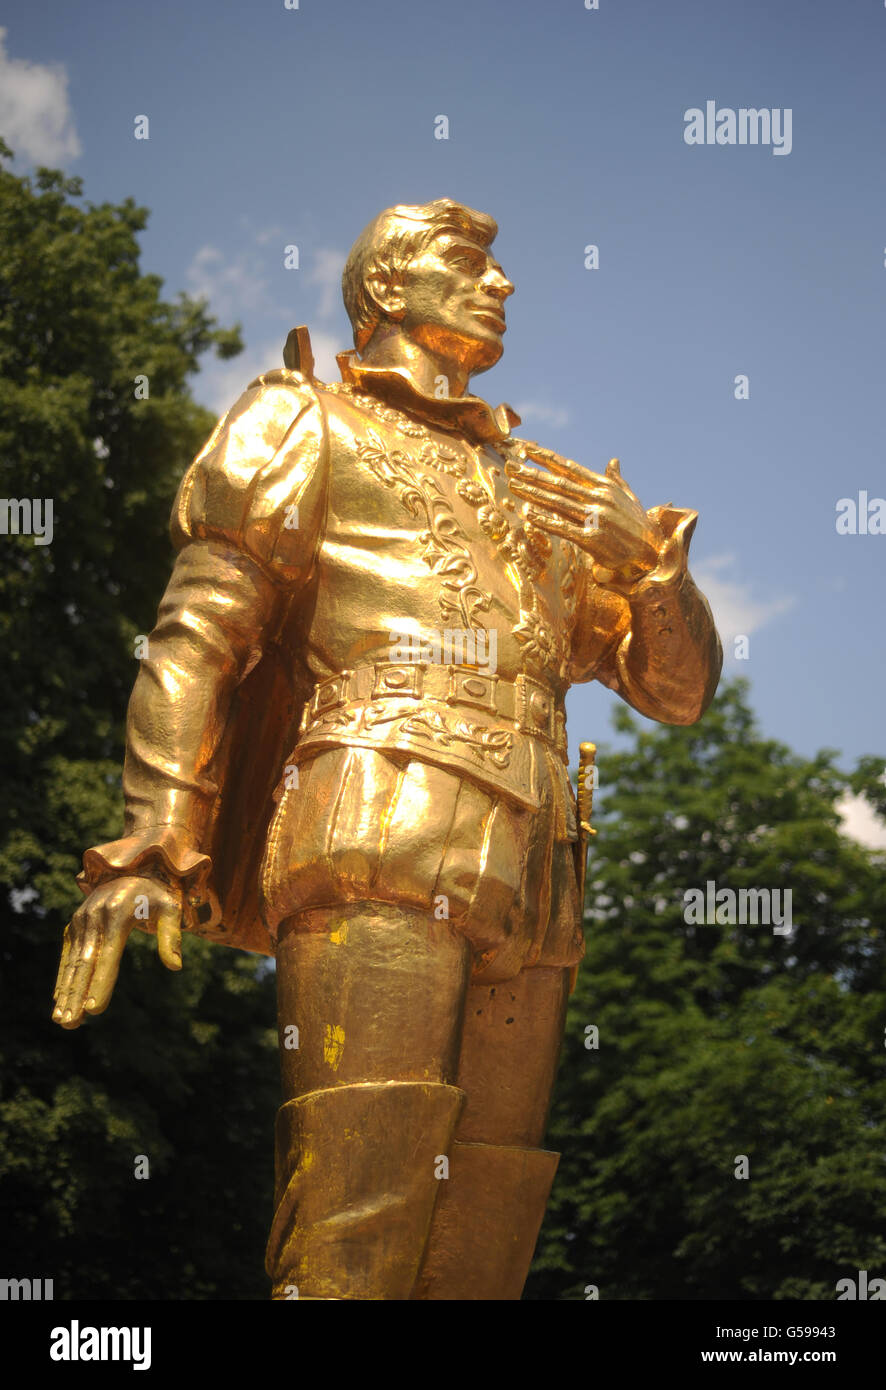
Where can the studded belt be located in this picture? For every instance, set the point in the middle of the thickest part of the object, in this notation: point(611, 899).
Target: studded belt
point(527, 704)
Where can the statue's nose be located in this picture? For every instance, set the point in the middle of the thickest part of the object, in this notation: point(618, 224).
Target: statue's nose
point(496, 282)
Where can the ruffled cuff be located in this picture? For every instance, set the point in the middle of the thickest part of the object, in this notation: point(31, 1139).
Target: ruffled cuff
point(161, 852)
point(669, 663)
point(677, 525)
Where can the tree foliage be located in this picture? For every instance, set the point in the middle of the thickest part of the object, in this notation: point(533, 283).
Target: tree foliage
point(717, 1041)
point(181, 1068)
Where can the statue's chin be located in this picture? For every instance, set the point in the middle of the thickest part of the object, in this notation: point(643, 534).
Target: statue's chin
point(483, 356)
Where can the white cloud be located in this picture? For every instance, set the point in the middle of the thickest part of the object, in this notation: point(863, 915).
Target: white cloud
point(327, 265)
point(239, 286)
point(220, 383)
point(268, 234)
point(233, 287)
point(552, 415)
point(737, 612)
point(861, 822)
point(35, 115)
point(325, 346)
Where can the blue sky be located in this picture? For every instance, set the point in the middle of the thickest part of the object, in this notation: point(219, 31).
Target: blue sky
point(271, 127)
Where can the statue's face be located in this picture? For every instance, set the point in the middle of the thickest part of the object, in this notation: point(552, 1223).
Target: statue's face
point(453, 301)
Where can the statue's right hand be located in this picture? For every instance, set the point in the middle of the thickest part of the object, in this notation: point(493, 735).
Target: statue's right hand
point(96, 935)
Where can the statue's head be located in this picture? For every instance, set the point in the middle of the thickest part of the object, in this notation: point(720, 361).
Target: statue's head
point(426, 272)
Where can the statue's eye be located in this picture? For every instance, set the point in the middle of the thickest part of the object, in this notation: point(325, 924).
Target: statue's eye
point(463, 260)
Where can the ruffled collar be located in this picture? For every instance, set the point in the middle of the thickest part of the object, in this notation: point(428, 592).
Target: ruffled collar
point(469, 415)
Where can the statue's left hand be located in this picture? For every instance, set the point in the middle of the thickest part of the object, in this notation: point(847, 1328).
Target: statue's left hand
point(95, 938)
point(601, 515)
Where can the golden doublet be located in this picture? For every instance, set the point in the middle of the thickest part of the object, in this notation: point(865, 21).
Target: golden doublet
point(317, 524)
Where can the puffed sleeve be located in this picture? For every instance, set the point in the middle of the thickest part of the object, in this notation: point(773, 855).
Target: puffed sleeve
point(247, 524)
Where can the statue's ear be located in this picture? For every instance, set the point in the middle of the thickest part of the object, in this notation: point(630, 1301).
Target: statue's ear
point(385, 289)
point(297, 354)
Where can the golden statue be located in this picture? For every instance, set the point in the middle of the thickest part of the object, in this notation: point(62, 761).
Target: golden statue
point(346, 747)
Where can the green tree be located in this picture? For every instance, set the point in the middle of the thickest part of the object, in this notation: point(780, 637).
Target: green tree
point(717, 1041)
point(182, 1068)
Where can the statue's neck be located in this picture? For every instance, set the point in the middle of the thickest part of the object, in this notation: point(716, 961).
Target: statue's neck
point(389, 348)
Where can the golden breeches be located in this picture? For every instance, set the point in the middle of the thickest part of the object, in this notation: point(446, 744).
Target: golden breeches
point(363, 826)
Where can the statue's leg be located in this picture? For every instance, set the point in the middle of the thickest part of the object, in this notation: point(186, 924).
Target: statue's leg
point(490, 1209)
point(391, 882)
point(377, 995)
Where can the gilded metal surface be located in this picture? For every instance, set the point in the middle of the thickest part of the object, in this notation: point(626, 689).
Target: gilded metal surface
point(587, 760)
point(346, 746)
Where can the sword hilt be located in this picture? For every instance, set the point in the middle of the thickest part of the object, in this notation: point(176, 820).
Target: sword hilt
point(587, 754)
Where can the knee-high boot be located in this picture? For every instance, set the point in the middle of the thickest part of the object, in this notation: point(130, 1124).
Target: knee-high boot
point(356, 1188)
point(488, 1216)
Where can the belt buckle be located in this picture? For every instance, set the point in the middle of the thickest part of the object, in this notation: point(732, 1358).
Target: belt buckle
point(391, 679)
point(330, 694)
point(536, 708)
point(469, 687)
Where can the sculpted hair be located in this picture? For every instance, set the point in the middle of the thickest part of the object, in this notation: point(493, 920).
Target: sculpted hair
point(390, 241)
